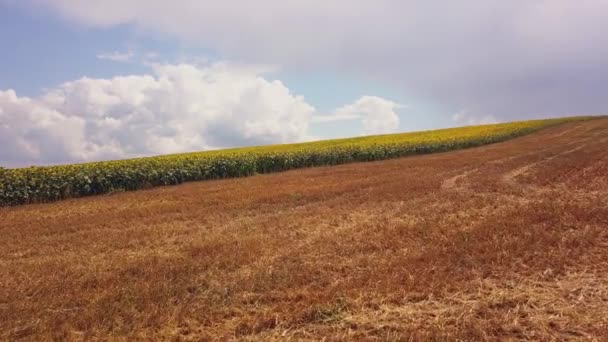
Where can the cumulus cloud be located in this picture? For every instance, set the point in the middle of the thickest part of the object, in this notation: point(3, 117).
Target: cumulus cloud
point(33, 131)
point(376, 114)
point(510, 58)
point(176, 108)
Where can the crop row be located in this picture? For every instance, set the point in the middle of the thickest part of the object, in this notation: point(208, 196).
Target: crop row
point(51, 183)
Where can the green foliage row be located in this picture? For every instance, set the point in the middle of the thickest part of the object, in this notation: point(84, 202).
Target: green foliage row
point(43, 184)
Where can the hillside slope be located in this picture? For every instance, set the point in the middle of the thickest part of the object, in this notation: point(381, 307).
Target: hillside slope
point(52, 183)
point(504, 240)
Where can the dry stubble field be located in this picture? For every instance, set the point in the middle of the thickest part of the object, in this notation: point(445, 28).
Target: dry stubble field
point(504, 241)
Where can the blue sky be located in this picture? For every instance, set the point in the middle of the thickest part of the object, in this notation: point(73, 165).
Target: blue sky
point(194, 75)
point(45, 51)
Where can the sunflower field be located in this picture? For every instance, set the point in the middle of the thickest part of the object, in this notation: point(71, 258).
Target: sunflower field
point(50, 183)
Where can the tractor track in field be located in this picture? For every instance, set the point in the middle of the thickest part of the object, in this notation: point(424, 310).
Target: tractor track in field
point(459, 182)
point(500, 242)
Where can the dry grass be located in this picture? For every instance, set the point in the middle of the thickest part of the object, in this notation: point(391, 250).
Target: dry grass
point(506, 241)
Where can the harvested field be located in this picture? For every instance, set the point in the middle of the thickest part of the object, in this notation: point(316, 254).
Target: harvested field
point(504, 241)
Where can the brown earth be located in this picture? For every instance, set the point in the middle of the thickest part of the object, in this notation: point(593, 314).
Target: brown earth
point(506, 241)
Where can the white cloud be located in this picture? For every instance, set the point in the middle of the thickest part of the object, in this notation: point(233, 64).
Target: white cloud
point(485, 55)
point(177, 108)
point(31, 131)
point(376, 114)
point(464, 118)
point(117, 56)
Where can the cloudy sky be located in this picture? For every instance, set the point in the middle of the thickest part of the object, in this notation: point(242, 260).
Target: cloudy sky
point(84, 80)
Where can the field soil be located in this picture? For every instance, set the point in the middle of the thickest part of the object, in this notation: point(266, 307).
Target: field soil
point(505, 241)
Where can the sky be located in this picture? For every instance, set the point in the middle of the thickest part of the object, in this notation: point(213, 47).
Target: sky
point(84, 80)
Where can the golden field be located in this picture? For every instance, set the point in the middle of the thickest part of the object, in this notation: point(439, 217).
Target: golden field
point(506, 241)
